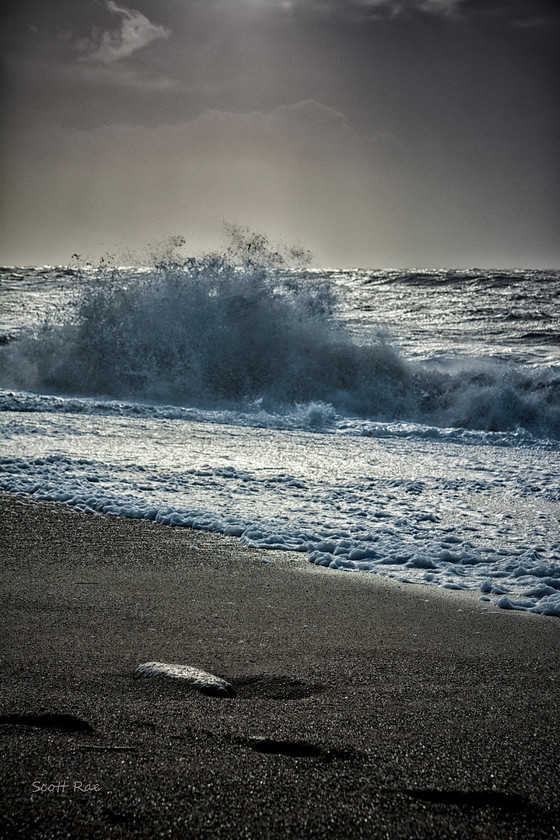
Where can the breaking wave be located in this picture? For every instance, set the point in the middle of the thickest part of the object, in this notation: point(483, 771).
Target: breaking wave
point(250, 326)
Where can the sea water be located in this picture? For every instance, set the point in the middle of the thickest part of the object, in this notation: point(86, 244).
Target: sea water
point(399, 423)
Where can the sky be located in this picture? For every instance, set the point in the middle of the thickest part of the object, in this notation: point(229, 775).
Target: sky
point(375, 133)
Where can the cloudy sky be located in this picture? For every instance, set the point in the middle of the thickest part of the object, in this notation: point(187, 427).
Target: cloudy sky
point(374, 132)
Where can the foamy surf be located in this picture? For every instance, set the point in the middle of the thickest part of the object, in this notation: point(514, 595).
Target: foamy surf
point(430, 511)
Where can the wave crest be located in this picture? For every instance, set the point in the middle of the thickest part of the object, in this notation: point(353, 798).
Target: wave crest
point(252, 326)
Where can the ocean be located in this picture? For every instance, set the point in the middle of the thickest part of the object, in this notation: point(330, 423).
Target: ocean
point(398, 423)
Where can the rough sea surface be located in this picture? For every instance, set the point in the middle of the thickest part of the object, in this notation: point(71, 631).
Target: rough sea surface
point(402, 423)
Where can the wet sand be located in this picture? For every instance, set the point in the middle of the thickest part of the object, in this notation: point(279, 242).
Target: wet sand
point(364, 708)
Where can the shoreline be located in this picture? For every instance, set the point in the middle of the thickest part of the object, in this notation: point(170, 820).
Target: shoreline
point(387, 709)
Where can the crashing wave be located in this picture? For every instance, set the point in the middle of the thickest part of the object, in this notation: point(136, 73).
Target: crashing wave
point(251, 327)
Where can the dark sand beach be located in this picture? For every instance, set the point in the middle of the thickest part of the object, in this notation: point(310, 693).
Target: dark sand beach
point(364, 708)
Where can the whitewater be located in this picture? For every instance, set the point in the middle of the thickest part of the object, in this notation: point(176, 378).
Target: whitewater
point(397, 423)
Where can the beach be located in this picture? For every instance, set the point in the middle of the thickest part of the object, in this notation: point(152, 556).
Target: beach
point(364, 707)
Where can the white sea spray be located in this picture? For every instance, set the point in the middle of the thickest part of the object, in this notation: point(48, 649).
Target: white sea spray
point(248, 329)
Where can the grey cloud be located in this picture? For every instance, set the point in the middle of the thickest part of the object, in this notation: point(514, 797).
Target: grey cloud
point(133, 32)
point(299, 170)
point(516, 12)
point(377, 130)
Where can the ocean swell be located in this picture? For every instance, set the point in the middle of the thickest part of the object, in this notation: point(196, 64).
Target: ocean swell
point(225, 331)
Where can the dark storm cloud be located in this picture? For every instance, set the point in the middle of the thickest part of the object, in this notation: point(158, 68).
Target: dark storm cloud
point(378, 131)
